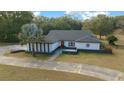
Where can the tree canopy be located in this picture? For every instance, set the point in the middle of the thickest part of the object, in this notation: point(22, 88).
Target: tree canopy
point(120, 22)
point(10, 24)
point(12, 21)
point(31, 34)
point(101, 25)
point(60, 23)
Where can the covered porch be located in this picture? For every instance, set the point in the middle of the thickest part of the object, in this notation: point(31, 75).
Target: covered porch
point(69, 50)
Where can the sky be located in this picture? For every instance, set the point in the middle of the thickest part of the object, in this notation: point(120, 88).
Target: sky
point(77, 14)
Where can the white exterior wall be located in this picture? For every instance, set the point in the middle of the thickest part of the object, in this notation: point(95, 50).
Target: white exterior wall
point(42, 49)
point(46, 47)
point(38, 47)
point(80, 45)
point(92, 46)
point(66, 44)
point(53, 46)
point(27, 46)
point(35, 47)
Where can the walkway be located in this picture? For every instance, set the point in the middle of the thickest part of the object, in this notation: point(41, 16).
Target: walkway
point(83, 69)
point(55, 55)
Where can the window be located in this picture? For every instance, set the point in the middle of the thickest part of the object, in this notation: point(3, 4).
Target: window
point(71, 43)
point(87, 45)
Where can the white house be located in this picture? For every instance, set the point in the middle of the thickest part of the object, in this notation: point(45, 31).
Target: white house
point(66, 39)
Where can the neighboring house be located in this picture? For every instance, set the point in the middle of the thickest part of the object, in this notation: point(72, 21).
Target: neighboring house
point(66, 39)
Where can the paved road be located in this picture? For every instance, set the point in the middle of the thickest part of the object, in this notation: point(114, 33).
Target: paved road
point(83, 69)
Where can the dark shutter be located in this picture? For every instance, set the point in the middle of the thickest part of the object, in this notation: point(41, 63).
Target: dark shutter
point(36, 46)
point(48, 48)
point(44, 47)
point(40, 47)
point(29, 47)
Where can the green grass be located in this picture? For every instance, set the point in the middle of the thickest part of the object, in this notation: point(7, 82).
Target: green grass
point(114, 61)
point(27, 55)
point(20, 73)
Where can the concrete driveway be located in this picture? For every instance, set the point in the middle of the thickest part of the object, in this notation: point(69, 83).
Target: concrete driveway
point(4, 49)
point(83, 69)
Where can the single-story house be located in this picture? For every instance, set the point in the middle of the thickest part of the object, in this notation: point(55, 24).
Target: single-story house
point(66, 39)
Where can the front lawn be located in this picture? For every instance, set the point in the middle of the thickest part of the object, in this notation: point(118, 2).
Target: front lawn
point(20, 73)
point(114, 61)
point(28, 55)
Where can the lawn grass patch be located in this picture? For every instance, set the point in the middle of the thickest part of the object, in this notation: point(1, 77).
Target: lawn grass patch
point(113, 61)
point(20, 73)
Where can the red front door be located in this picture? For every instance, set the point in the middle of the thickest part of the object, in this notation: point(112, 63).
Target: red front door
point(62, 44)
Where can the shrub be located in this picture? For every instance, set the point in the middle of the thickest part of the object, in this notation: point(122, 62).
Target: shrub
point(109, 47)
point(112, 39)
point(102, 46)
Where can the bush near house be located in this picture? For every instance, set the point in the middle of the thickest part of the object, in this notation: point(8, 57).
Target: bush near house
point(109, 48)
point(112, 39)
point(105, 48)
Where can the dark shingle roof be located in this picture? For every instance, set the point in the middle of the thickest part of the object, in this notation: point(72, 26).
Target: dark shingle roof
point(71, 35)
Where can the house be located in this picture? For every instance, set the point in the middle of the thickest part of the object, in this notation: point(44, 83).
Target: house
point(66, 39)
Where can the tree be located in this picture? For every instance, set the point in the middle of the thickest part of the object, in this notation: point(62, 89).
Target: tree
point(60, 23)
point(112, 39)
point(120, 22)
point(11, 22)
point(31, 34)
point(102, 25)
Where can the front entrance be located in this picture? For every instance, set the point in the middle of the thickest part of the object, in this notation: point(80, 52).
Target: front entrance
point(62, 44)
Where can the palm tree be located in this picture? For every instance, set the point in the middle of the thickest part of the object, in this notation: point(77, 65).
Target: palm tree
point(31, 34)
